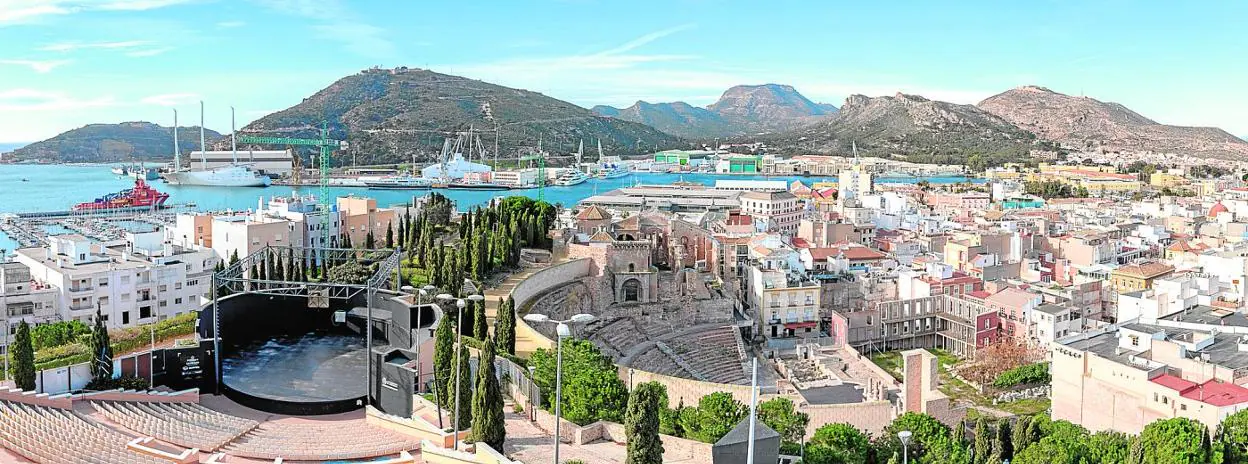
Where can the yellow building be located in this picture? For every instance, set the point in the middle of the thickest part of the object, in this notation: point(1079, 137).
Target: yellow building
point(1137, 277)
point(1164, 180)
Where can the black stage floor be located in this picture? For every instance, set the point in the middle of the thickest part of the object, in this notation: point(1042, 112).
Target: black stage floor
point(313, 368)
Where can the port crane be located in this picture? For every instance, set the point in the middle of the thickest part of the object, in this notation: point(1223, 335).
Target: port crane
point(326, 145)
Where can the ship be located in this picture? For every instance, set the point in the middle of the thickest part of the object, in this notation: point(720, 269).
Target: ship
point(230, 175)
point(569, 177)
point(398, 183)
point(475, 185)
point(142, 196)
point(613, 171)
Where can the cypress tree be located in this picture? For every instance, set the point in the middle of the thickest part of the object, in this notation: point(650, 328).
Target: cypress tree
point(481, 257)
point(101, 350)
point(1136, 453)
point(234, 256)
point(292, 274)
point(505, 325)
point(23, 374)
point(465, 390)
point(983, 441)
point(369, 241)
point(479, 329)
point(389, 235)
point(487, 402)
point(1002, 449)
point(1034, 431)
point(255, 272)
point(269, 270)
point(959, 433)
point(1019, 439)
point(443, 359)
point(641, 425)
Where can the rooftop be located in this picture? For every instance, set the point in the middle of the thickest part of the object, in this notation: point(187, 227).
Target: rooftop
point(1209, 315)
point(1051, 309)
point(1145, 270)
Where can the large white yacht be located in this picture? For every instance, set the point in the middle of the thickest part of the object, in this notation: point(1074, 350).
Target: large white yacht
point(231, 175)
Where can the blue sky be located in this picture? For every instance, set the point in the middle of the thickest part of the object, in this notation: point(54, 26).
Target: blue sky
point(65, 63)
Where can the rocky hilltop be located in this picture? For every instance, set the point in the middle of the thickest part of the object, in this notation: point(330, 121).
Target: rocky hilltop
point(909, 126)
point(108, 143)
point(1092, 124)
point(391, 115)
point(741, 110)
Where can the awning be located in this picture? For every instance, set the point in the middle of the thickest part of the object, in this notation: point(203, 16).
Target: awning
point(801, 325)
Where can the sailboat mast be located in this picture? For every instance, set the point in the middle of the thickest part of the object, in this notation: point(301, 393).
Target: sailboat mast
point(203, 150)
point(599, 151)
point(177, 154)
point(233, 138)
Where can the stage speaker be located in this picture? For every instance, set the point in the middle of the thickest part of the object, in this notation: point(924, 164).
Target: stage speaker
point(340, 317)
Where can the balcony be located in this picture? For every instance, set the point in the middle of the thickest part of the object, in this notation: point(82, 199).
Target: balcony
point(81, 288)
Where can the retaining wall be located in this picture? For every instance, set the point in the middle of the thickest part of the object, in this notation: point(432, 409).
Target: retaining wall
point(537, 284)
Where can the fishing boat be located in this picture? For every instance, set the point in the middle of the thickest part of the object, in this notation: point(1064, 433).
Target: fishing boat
point(398, 183)
point(141, 196)
point(569, 177)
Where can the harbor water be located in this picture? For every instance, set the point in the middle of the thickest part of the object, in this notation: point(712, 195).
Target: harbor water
point(31, 188)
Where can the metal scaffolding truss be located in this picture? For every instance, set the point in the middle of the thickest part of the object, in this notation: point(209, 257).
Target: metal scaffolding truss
point(236, 277)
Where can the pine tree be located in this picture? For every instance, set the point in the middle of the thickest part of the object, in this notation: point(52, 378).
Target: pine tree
point(1002, 449)
point(487, 402)
point(505, 325)
point(479, 328)
point(101, 349)
point(983, 441)
point(465, 390)
point(443, 359)
point(641, 425)
point(23, 374)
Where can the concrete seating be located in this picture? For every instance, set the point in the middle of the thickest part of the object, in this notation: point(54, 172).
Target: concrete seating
point(326, 441)
point(57, 436)
point(183, 424)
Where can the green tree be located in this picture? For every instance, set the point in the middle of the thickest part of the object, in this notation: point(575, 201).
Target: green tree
point(465, 389)
point(487, 402)
point(641, 424)
point(350, 272)
point(1002, 448)
point(1173, 441)
point(1019, 436)
point(838, 443)
point(669, 420)
point(369, 241)
point(715, 416)
point(782, 416)
point(592, 389)
point(1233, 435)
point(925, 429)
point(959, 433)
point(389, 235)
point(23, 358)
point(1109, 448)
point(443, 359)
point(505, 325)
point(983, 441)
point(101, 350)
point(479, 327)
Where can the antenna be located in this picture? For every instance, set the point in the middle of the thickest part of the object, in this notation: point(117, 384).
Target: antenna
point(233, 138)
point(177, 154)
point(203, 156)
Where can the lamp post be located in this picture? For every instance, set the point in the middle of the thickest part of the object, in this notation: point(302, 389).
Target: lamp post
point(532, 374)
point(459, 339)
point(561, 330)
point(904, 435)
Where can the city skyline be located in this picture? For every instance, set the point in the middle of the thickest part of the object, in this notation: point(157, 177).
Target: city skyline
point(69, 63)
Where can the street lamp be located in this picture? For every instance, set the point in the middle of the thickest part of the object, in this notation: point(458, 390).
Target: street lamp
point(459, 339)
point(904, 435)
point(561, 330)
point(532, 374)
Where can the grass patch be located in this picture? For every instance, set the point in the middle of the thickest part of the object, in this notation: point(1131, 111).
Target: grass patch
point(889, 361)
point(1026, 407)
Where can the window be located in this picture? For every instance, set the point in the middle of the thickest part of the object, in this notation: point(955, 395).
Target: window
point(125, 297)
point(177, 285)
point(145, 312)
point(164, 303)
point(103, 300)
point(177, 301)
point(1135, 340)
point(103, 282)
point(125, 317)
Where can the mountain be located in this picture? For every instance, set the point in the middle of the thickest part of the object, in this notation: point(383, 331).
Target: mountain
point(909, 126)
point(1093, 124)
point(394, 115)
point(108, 143)
point(741, 110)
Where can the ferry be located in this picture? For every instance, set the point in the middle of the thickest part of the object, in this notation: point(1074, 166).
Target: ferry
point(398, 183)
point(141, 196)
point(569, 177)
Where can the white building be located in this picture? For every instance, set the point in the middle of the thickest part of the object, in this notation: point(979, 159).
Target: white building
point(456, 168)
point(773, 211)
point(738, 185)
point(280, 162)
point(1051, 322)
point(134, 284)
point(23, 298)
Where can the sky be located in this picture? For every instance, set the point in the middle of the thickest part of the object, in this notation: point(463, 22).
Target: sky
point(67, 63)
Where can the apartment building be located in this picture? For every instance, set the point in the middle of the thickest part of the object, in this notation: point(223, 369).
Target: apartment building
point(245, 234)
point(1140, 276)
point(144, 281)
point(774, 211)
point(361, 215)
point(22, 298)
point(959, 325)
point(786, 301)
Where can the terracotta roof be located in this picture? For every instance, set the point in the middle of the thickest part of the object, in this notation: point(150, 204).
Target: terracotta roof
point(1216, 209)
point(979, 294)
point(601, 237)
point(1146, 270)
point(852, 252)
point(799, 242)
point(1174, 383)
point(593, 213)
point(628, 223)
point(738, 219)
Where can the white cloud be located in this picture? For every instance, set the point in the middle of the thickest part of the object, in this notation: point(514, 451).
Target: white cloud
point(38, 100)
point(230, 24)
point(27, 11)
point(41, 67)
point(148, 52)
point(170, 99)
point(340, 24)
point(71, 46)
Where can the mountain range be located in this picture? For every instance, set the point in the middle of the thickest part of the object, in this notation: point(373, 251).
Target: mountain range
point(741, 110)
point(397, 115)
point(108, 143)
point(1088, 123)
point(400, 115)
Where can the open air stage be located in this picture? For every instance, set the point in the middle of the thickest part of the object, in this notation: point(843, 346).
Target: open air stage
point(313, 373)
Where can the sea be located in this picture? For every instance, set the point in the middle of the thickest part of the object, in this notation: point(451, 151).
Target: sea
point(33, 188)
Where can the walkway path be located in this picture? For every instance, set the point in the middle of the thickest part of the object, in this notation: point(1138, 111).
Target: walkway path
point(528, 443)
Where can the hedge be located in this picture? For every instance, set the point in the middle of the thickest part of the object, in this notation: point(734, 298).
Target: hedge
point(124, 340)
point(1029, 374)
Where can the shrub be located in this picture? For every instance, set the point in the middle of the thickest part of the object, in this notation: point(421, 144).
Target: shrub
point(125, 383)
point(1031, 373)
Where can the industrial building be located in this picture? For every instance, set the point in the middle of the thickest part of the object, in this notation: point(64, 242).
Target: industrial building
point(273, 162)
